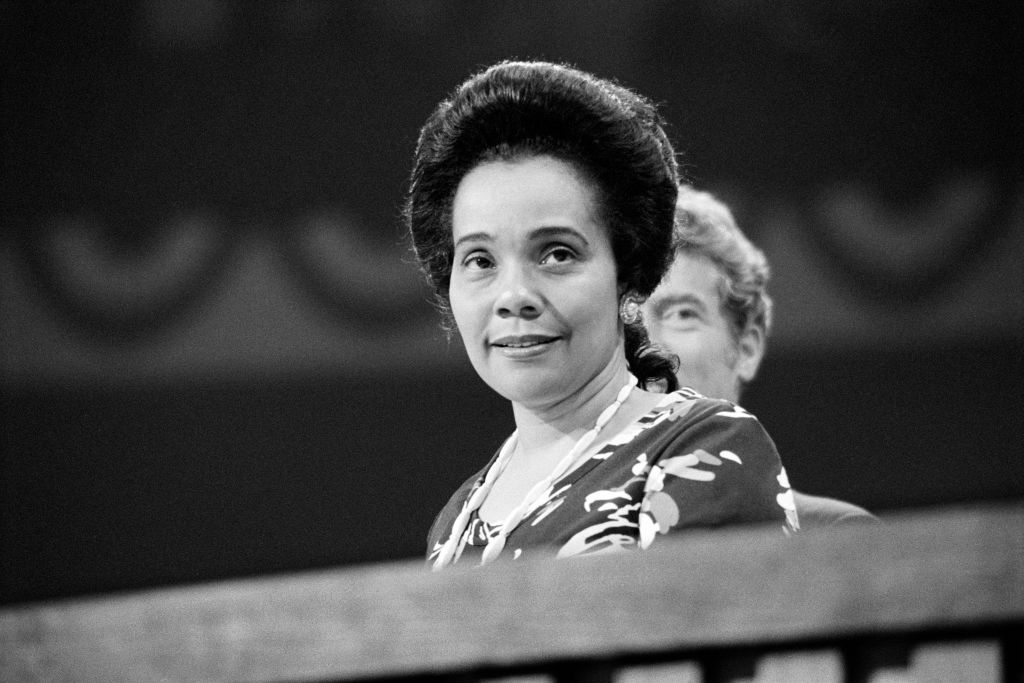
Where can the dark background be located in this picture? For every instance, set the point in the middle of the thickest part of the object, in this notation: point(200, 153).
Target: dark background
point(134, 455)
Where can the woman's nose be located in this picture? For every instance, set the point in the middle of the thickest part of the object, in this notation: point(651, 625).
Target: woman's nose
point(518, 297)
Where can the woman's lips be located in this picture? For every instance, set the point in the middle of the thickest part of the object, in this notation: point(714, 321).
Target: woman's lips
point(523, 346)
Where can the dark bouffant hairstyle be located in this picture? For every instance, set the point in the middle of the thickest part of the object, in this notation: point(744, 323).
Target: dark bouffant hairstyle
point(614, 136)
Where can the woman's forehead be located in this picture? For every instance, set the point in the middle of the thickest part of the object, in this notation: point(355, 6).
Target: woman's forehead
point(538, 191)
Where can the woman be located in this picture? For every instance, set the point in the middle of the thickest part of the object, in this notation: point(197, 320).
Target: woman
point(541, 211)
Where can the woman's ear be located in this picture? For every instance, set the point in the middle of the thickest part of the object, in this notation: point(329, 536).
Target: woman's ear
point(751, 348)
point(629, 308)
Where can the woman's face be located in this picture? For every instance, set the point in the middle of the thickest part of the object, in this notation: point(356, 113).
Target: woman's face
point(533, 288)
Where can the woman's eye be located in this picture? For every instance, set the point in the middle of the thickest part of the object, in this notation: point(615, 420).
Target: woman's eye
point(477, 261)
point(558, 255)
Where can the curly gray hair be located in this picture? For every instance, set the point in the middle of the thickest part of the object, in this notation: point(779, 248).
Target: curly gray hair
point(706, 227)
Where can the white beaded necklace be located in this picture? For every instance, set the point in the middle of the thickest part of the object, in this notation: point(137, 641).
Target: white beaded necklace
point(452, 548)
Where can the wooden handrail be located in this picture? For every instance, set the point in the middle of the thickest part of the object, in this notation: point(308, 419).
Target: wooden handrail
point(956, 570)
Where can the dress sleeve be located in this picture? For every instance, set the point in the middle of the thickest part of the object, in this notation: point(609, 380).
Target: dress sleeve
point(717, 467)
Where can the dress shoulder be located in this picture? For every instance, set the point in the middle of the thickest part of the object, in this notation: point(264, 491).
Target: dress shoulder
point(716, 463)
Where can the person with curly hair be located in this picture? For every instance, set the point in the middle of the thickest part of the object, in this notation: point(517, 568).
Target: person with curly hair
point(714, 313)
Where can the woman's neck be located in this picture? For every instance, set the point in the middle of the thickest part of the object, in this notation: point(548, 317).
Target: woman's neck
point(542, 426)
point(547, 435)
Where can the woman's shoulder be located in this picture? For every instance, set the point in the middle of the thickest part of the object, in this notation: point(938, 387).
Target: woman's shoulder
point(685, 406)
point(678, 416)
point(718, 453)
point(686, 420)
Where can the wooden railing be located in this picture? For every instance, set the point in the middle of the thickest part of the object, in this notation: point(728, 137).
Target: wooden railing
point(936, 595)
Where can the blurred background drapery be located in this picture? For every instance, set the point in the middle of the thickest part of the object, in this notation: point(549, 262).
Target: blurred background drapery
point(217, 360)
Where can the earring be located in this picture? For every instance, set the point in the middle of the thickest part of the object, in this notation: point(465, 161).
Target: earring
point(629, 310)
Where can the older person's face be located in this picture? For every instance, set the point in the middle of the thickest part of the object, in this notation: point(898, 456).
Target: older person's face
point(685, 316)
point(533, 289)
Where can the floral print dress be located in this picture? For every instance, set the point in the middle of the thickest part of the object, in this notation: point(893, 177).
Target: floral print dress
point(690, 462)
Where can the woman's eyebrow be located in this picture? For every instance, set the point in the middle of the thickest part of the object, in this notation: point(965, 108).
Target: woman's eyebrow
point(549, 231)
point(473, 237)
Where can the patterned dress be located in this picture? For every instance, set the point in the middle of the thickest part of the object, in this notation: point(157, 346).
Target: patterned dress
point(690, 462)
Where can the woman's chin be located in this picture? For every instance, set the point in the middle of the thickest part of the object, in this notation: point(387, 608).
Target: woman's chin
point(531, 389)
